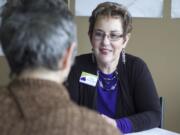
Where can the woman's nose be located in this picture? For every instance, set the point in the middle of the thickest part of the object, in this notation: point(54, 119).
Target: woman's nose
point(106, 40)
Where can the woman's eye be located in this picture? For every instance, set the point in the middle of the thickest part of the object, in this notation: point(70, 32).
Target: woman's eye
point(99, 34)
point(114, 36)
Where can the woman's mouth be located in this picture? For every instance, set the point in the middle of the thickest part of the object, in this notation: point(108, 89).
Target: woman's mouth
point(105, 51)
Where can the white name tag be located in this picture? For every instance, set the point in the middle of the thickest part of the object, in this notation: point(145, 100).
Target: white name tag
point(88, 79)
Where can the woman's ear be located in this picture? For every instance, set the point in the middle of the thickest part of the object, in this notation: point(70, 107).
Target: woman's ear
point(66, 62)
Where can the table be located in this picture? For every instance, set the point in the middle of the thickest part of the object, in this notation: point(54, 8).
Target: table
point(155, 131)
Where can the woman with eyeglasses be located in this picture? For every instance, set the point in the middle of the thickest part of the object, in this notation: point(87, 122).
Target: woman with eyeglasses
point(119, 86)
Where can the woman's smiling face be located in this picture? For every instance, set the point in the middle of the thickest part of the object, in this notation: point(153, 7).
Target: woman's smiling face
point(107, 39)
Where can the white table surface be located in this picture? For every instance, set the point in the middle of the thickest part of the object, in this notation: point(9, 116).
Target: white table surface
point(155, 131)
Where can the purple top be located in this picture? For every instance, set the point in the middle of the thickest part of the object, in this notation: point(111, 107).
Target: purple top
point(107, 89)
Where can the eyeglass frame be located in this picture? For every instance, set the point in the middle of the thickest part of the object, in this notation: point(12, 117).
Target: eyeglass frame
point(109, 36)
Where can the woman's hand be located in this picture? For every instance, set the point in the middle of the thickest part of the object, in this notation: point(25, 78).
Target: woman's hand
point(109, 120)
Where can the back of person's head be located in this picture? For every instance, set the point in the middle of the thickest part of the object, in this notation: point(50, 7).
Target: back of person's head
point(36, 33)
point(111, 9)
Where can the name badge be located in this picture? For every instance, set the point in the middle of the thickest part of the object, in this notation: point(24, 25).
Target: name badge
point(88, 79)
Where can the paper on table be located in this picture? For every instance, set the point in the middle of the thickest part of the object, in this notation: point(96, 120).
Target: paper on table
point(175, 8)
point(138, 8)
point(154, 131)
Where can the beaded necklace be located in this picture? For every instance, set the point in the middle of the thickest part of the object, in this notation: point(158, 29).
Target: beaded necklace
point(108, 82)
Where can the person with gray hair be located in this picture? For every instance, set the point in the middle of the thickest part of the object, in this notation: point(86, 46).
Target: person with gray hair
point(38, 39)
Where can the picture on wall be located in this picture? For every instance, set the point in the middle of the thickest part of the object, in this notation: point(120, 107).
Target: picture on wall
point(138, 8)
point(175, 9)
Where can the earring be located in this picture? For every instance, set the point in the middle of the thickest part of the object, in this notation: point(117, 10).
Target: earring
point(93, 57)
point(123, 56)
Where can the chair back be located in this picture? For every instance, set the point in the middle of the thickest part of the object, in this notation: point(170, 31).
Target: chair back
point(162, 112)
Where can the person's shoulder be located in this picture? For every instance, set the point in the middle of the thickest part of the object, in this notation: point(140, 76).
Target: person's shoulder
point(134, 60)
point(85, 58)
point(4, 96)
point(8, 109)
point(136, 65)
point(6, 100)
point(91, 122)
point(84, 62)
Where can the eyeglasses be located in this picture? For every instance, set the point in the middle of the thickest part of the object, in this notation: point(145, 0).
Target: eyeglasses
point(100, 35)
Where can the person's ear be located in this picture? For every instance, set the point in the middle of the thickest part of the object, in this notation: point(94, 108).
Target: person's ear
point(126, 39)
point(67, 59)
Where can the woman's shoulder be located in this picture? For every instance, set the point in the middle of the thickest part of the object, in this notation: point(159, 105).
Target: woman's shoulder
point(135, 60)
point(136, 66)
point(84, 62)
point(84, 58)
